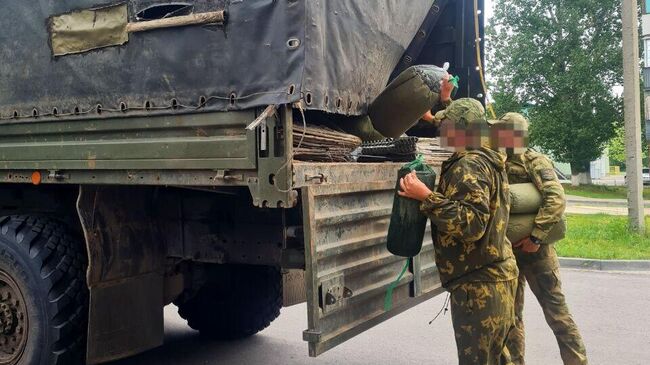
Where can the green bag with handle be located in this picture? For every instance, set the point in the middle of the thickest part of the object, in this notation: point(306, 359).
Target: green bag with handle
point(407, 224)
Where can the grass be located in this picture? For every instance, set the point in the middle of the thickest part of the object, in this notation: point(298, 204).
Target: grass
point(601, 191)
point(601, 236)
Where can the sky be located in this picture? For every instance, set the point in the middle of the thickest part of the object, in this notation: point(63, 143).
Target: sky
point(488, 9)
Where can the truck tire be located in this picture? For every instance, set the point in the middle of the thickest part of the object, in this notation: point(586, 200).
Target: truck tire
point(242, 301)
point(43, 293)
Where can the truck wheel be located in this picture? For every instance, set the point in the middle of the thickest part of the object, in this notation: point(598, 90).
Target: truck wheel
point(242, 301)
point(43, 294)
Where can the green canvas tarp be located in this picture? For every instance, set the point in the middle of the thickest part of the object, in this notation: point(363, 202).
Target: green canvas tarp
point(520, 226)
point(524, 198)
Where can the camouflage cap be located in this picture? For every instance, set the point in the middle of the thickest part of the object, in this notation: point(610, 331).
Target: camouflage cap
point(462, 109)
point(518, 121)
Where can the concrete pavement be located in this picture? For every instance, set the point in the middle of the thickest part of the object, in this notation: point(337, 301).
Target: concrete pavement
point(612, 310)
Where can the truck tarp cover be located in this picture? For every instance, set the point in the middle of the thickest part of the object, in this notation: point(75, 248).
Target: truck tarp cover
point(337, 53)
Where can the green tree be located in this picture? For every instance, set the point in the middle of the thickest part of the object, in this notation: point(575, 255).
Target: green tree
point(504, 102)
point(616, 149)
point(561, 58)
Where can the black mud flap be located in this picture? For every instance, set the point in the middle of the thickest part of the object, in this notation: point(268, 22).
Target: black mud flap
point(125, 272)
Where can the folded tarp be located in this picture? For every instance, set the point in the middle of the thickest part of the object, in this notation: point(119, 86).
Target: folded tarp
point(524, 198)
point(403, 102)
point(521, 226)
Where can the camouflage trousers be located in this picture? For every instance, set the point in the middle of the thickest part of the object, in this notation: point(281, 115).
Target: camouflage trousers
point(483, 315)
point(541, 271)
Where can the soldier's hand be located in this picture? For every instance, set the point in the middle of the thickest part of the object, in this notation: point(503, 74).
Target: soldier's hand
point(412, 187)
point(428, 117)
point(446, 88)
point(527, 245)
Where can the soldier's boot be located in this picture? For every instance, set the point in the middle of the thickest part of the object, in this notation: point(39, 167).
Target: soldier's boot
point(547, 287)
point(516, 338)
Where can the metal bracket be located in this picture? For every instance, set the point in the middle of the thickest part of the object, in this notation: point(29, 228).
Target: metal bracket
point(273, 186)
point(311, 336)
point(318, 178)
point(224, 175)
point(57, 175)
point(333, 293)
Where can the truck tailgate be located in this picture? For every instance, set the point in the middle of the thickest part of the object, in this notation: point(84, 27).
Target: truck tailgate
point(346, 220)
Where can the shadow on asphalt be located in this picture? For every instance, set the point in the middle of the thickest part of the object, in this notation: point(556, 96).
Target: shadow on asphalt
point(188, 347)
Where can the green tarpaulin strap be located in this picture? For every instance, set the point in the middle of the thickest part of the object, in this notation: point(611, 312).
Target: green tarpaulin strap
point(418, 164)
point(415, 164)
point(454, 81)
point(388, 299)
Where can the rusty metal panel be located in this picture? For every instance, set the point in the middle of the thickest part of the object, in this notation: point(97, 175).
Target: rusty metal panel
point(348, 266)
point(293, 287)
point(318, 173)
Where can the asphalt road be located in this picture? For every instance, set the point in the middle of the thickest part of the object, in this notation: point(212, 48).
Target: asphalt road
point(611, 309)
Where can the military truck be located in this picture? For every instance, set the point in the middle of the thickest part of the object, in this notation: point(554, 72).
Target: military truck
point(130, 181)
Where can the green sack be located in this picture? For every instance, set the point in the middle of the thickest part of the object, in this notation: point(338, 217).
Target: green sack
point(524, 198)
point(405, 100)
point(407, 224)
point(521, 226)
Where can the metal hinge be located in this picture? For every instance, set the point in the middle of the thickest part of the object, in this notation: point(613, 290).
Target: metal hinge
point(321, 178)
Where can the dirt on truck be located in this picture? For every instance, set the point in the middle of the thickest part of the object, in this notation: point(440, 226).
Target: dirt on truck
point(130, 181)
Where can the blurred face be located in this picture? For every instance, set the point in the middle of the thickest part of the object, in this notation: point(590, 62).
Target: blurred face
point(509, 139)
point(452, 138)
point(457, 137)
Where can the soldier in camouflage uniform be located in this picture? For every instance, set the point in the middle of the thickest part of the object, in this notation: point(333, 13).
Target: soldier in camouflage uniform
point(538, 262)
point(470, 211)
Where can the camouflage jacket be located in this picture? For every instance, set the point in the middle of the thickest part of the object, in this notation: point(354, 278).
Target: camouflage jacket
point(469, 212)
point(534, 167)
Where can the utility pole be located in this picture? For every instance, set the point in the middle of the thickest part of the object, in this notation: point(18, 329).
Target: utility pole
point(631, 98)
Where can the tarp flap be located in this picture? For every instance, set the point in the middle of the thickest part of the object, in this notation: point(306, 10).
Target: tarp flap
point(243, 64)
point(83, 30)
point(260, 56)
point(352, 48)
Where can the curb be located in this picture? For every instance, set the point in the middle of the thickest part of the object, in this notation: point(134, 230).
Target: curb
point(601, 203)
point(592, 203)
point(604, 265)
